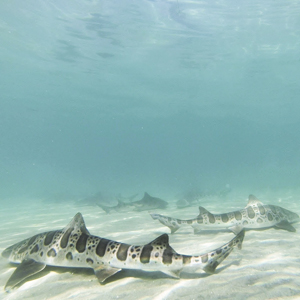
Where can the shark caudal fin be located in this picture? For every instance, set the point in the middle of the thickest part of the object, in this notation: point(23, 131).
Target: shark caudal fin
point(167, 221)
point(106, 208)
point(215, 257)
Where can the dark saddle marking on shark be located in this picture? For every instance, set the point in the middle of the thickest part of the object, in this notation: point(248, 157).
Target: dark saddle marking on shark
point(73, 246)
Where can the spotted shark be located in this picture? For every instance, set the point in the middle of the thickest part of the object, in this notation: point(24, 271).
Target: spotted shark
point(74, 246)
point(254, 216)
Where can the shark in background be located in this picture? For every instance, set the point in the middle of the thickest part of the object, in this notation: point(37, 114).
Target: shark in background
point(74, 246)
point(192, 196)
point(103, 197)
point(146, 203)
point(254, 216)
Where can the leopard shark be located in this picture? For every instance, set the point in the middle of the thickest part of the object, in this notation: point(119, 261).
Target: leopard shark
point(74, 246)
point(254, 216)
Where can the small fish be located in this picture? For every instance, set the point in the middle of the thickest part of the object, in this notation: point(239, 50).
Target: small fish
point(74, 246)
point(254, 216)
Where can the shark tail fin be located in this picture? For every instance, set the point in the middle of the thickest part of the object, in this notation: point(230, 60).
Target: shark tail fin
point(169, 222)
point(215, 257)
point(107, 209)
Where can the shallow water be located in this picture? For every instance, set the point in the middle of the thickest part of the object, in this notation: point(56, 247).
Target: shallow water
point(114, 98)
point(267, 267)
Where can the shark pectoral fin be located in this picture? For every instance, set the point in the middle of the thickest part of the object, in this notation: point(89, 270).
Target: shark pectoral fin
point(236, 229)
point(173, 273)
point(173, 228)
point(285, 225)
point(27, 268)
point(104, 272)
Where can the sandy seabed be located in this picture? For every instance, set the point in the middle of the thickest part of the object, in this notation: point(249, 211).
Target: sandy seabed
point(267, 267)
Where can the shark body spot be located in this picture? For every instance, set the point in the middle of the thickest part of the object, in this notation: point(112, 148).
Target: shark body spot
point(35, 249)
point(204, 258)
point(250, 212)
point(49, 238)
point(238, 215)
point(270, 217)
point(186, 259)
point(81, 243)
point(69, 256)
point(65, 238)
point(219, 251)
point(51, 253)
point(262, 210)
point(146, 254)
point(89, 261)
point(200, 220)
point(101, 247)
point(167, 257)
point(211, 218)
point(122, 252)
point(224, 218)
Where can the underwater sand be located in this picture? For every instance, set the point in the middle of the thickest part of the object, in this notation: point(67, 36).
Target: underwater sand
point(267, 267)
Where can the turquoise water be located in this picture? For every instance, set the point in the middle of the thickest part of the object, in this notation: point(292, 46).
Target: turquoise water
point(148, 95)
point(168, 97)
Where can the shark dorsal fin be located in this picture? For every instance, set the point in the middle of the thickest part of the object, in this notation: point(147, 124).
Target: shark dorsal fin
point(203, 211)
point(162, 239)
point(77, 223)
point(146, 196)
point(252, 200)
